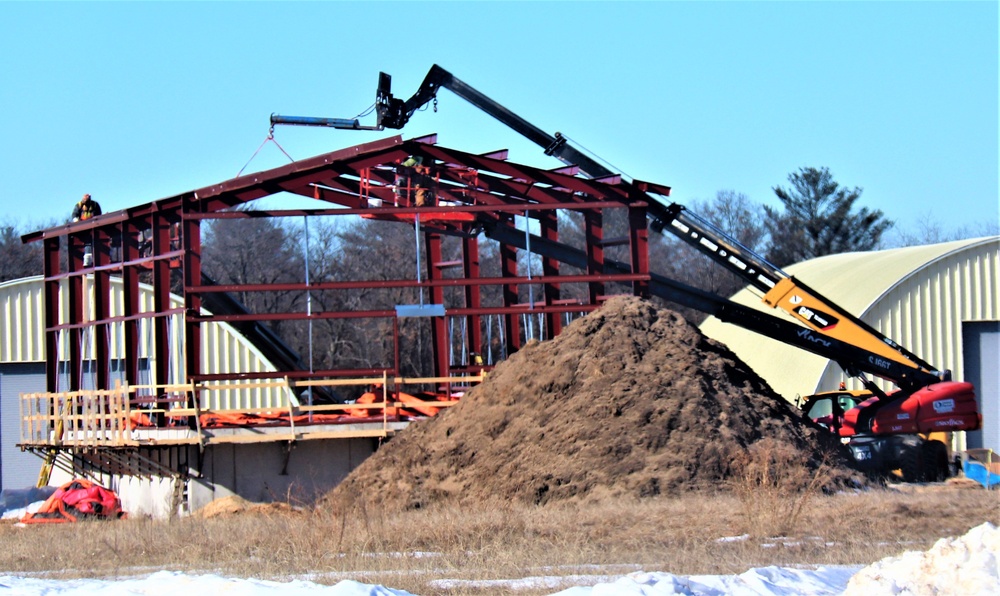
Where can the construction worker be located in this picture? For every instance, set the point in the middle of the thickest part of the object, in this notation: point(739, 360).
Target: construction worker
point(420, 176)
point(404, 175)
point(86, 208)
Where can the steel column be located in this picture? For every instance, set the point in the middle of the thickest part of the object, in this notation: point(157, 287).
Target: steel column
point(161, 302)
point(549, 227)
point(594, 236)
point(191, 243)
point(130, 298)
point(473, 294)
point(75, 306)
point(639, 246)
point(102, 301)
point(50, 268)
point(508, 268)
point(440, 338)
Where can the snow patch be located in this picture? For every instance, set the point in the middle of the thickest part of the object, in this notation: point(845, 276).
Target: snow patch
point(967, 565)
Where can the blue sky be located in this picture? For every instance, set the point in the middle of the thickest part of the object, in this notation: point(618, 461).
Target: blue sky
point(132, 102)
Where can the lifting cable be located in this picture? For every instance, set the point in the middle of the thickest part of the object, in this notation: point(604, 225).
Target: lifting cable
point(501, 329)
point(309, 310)
point(84, 339)
point(610, 165)
point(151, 358)
point(172, 367)
point(529, 330)
point(60, 354)
point(138, 333)
point(270, 137)
point(107, 351)
point(489, 340)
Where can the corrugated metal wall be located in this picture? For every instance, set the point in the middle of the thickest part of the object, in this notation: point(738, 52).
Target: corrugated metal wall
point(224, 350)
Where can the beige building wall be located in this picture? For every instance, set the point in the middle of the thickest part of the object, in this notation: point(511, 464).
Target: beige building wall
point(223, 350)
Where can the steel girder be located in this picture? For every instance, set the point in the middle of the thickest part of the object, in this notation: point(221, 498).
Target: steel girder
point(472, 193)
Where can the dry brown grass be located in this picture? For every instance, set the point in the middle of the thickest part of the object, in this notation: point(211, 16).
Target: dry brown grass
point(410, 550)
point(774, 485)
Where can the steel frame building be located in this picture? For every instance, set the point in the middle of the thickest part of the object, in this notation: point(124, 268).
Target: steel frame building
point(472, 195)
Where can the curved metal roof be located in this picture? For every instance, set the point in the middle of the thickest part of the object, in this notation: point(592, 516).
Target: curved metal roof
point(224, 349)
point(917, 295)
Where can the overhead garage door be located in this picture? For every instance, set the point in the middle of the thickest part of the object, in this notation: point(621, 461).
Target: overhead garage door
point(981, 353)
point(17, 469)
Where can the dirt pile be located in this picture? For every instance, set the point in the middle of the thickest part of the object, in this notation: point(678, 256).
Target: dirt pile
point(236, 505)
point(629, 400)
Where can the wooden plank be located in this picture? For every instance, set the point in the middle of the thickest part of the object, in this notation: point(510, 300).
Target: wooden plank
point(345, 434)
point(261, 438)
point(168, 442)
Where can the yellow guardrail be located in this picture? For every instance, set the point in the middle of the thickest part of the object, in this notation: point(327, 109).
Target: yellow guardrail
point(108, 417)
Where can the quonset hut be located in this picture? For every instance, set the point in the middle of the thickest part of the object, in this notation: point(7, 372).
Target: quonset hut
point(940, 301)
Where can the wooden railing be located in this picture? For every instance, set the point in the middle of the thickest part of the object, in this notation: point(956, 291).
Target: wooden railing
point(110, 418)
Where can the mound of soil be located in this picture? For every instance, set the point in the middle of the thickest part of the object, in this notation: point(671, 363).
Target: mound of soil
point(235, 505)
point(629, 400)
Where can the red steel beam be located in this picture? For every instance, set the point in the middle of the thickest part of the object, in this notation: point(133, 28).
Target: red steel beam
point(440, 338)
point(190, 237)
point(594, 236)
point(412, 283)
point(130, 298)
point(639, 245)
point(50, 268)
point(549, 228)
point(472, 293)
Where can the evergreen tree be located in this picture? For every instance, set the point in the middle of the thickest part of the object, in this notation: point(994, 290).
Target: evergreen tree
point(820, 219)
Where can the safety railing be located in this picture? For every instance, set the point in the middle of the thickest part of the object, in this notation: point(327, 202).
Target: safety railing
point(76, 418)
point(121, 416)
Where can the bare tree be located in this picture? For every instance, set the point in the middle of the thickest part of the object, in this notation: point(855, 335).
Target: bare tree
point(732, 212)
point(16, 258)
point(928, 230)
point(255, 250)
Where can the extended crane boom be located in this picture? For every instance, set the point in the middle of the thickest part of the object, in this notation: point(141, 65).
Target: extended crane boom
point(392, 112)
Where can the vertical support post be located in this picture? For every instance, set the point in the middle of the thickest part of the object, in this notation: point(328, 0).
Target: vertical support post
point(75, 307)
point(440, 339)
point(594, 232)
point(161, 302)
point(191, 243)
point(395, 344)
point(130, 300)
point(508, 268)
point(473, 293)
point(50, 268)
point(549, 228)
point(639, 245)
point(102, 307)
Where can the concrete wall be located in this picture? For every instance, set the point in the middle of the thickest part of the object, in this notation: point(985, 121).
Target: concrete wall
point(267, 472)
point(257, 472)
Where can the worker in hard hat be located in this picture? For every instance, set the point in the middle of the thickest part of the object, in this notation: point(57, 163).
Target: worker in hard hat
point(86, 208)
